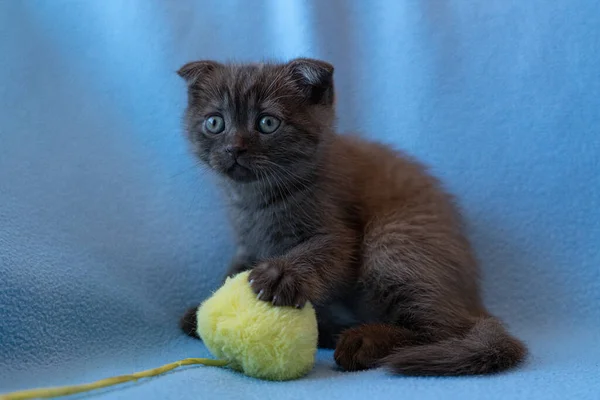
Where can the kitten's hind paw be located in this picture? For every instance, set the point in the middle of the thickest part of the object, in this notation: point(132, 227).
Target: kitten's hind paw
point(189, 323)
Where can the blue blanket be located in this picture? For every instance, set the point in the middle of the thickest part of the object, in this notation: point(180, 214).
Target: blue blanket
point(108, 231)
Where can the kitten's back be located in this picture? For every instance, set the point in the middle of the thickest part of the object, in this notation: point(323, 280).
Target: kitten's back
point(382, 179)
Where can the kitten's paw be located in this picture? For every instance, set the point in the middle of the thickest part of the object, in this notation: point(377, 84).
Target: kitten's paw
point(189, 322)
point(363, 347)
point(276, 281)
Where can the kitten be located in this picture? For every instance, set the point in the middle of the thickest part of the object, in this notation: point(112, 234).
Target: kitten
point(361, 231)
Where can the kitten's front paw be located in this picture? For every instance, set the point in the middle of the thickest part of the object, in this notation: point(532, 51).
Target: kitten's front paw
point(276, 281)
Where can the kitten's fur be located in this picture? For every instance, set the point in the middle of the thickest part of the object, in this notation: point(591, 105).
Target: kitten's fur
point(359, 230)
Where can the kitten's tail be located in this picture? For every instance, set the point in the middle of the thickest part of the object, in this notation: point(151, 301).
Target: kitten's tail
point(486, 348)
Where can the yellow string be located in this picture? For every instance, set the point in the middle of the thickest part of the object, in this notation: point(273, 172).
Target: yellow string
point(59, 391)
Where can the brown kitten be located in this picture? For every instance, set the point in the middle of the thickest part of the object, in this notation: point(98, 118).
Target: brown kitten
point(359, 230)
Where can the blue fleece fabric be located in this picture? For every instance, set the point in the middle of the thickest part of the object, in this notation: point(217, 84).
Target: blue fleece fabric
point(108, 232)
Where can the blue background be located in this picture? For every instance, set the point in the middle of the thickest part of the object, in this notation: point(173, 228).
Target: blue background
point(108, 232)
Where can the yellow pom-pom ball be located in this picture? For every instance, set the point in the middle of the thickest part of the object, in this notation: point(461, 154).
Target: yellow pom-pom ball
point(258, 339)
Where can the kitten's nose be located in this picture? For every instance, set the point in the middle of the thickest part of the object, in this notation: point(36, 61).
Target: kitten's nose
point(235, 151)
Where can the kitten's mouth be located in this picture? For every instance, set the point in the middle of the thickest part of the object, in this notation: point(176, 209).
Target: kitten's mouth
point(239, 173)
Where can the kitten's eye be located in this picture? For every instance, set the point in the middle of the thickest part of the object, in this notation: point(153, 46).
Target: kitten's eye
point(268, 124)
point(214, 124)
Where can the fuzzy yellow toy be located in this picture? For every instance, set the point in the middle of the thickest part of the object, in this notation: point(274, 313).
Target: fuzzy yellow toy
point(246, 334)
point(262, 341)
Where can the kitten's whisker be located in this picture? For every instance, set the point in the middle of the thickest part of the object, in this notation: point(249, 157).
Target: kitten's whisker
point(276, 80)
point(283, 96)
point(283, 186)
point(196, 165)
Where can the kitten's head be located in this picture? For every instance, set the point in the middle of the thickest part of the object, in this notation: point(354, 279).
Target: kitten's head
point(250, 121)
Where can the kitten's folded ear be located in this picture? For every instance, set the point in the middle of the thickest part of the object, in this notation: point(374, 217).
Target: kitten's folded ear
point(315, 79)
point(192, 72)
